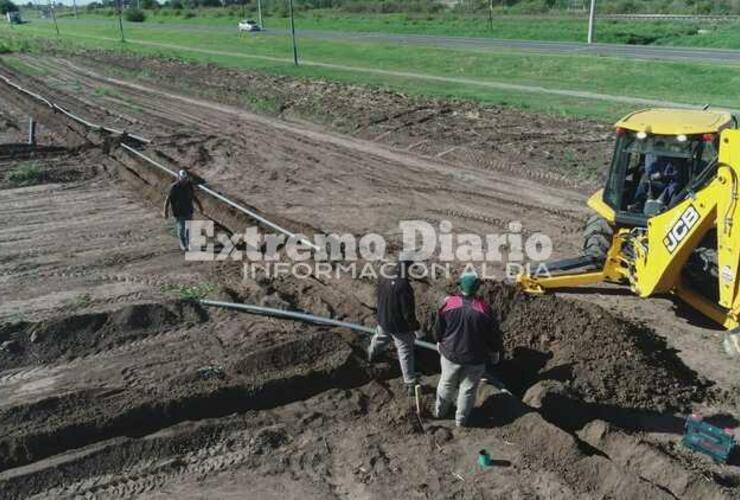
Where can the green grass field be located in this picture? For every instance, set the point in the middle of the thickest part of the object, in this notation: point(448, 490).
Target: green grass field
point(542, 27)
point(426, 71)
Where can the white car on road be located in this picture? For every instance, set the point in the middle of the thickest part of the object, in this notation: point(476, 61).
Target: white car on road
point(249, 25)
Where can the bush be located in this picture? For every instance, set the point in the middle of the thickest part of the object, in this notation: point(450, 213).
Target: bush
point(189, 14)
point(135, 16)
point(25, 174)
point(13, 44)
point(627, 7)
point(280, 11)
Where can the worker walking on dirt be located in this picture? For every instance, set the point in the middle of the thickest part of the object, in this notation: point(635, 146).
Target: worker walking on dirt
point(397, 320)
point(181, 198)
point(467, 337)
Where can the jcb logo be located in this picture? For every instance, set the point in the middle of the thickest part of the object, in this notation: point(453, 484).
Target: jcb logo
point(681, 228)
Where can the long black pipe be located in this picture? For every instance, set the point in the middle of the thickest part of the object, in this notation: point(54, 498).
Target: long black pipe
point(320, 320)
point(309, 318)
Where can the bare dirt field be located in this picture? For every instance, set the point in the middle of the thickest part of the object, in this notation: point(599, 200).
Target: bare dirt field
point(113, 385)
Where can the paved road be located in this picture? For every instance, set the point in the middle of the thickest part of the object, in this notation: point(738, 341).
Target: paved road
point(723, 56)
point(718, 56)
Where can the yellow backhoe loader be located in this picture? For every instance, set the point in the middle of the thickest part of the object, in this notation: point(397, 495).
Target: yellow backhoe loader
point(668, 218)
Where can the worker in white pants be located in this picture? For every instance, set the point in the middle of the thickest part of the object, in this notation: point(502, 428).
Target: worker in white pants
point(467, 336)
point(397, 319)
point(457, 382)
point(404, 345)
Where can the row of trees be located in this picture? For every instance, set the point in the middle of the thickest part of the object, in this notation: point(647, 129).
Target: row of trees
point(172, 4)
point(610, 6)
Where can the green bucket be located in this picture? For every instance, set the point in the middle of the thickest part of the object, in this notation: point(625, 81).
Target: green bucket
point(484, 459)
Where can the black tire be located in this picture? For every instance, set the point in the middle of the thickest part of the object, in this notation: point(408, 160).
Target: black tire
point(597, 238)
point(702, 272)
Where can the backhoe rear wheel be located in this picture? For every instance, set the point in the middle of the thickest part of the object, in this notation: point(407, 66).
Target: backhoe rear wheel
point(702, 272)
point(597, 238)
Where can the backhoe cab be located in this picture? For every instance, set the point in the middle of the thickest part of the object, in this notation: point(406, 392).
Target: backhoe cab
point(667, 220)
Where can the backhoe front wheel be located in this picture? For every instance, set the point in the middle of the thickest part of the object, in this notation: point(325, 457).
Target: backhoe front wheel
point(597, 238)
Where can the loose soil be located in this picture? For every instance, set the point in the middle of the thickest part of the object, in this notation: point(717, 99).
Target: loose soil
point(112, 385)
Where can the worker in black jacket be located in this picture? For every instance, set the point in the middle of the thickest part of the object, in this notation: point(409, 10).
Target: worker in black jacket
point(467, 336)
point(180, 199)
point(397, 320)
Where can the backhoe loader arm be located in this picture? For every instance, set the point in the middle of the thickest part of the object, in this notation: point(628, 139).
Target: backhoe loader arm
point(728, 221)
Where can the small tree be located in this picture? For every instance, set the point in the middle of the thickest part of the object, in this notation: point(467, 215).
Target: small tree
point(7, 6)
point(135, 16)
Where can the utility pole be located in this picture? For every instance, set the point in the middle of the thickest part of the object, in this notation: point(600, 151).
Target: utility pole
point(591, 22)
point(31, 131)
point(259, 13)
point(74, 6)
point(490, 15)
point(120, 20)
point(53, 16)
point(292, 31)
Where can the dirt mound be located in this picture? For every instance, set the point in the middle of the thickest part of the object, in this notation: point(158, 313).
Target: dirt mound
point(187, 388)
point(549, 447)
point(650, 463)
point(69, 337)
point(599, 356)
